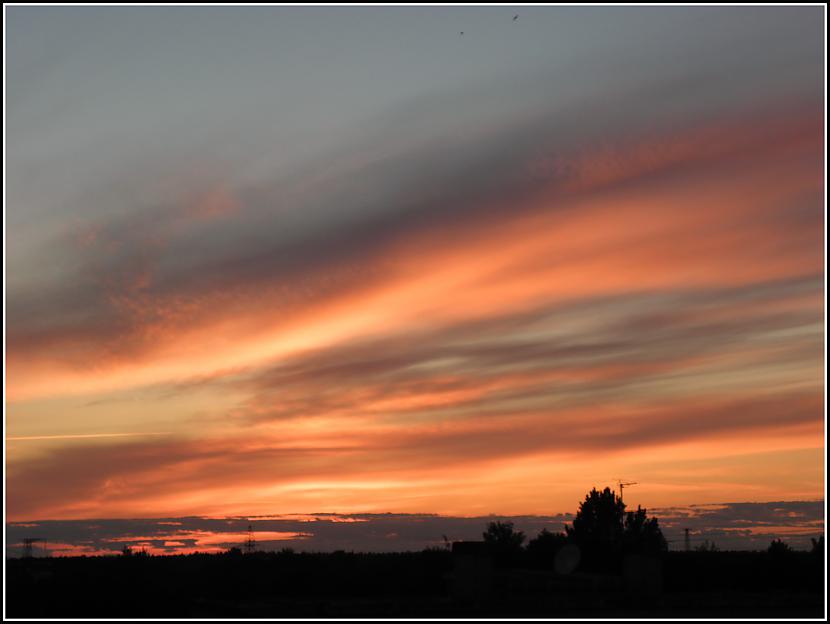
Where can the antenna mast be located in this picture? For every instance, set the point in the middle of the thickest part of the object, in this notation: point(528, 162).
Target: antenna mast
point(624, 484)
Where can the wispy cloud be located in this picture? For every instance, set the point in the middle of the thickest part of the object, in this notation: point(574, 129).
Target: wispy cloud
point(81, 436)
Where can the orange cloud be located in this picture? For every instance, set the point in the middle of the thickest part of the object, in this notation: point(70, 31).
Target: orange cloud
point(659, 293)
point(718, 224)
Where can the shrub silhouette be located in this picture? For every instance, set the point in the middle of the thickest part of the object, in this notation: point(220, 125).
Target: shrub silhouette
point(779, 547)
point(504, 542)
point(707, 546)
point(503, 536)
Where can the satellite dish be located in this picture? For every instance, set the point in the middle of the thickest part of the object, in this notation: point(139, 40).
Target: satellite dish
point(567, 559)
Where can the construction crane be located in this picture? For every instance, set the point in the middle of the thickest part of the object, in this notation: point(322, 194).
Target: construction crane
point(624, 484)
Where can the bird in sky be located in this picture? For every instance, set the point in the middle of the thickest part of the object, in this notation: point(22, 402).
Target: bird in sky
point(461, 33)
point(515, 17)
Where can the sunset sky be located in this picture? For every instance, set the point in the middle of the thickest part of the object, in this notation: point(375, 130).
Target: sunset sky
point(281, 260)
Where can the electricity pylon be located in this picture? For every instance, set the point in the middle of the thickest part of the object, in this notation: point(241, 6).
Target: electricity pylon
point(250, 543)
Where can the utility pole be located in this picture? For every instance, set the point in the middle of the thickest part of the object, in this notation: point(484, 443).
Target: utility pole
point(686, 540)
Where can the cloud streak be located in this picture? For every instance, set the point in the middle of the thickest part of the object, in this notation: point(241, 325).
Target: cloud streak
point(84, 436)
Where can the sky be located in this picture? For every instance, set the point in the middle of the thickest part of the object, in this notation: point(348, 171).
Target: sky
point(347, 260)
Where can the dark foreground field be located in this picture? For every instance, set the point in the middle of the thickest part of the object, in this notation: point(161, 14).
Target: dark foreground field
point(426, 584)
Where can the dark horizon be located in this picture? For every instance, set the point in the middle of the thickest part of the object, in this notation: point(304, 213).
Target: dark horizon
point(730, 526)
point(607, 562)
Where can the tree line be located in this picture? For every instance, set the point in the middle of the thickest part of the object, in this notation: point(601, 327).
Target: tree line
point(600, 537)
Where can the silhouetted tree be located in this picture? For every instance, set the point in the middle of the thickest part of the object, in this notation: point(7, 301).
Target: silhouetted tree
point(502, 535)
point(642, 534)
point(604, 532)
point(504, 542)
point(817, 547)
point(599, 519)
point(598, 529)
